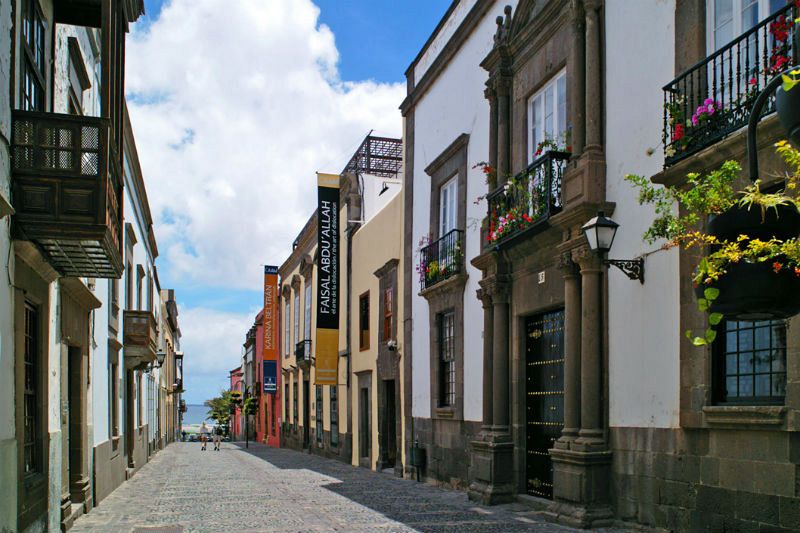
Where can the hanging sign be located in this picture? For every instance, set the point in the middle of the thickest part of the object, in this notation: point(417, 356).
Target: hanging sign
point(270, 377)
point(270, 345)
point(327, 341)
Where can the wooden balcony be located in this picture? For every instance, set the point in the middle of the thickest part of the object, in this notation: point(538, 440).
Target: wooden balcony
point(67, 192)
point(140, 337)
point(302, 354)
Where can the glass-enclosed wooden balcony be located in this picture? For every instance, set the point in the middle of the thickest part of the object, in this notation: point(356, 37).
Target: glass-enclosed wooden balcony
point(67, 191)
point(140, 337)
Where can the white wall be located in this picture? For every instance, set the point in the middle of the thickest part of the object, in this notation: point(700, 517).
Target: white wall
point(440, 41)
point(454, 105)
point(644, 329)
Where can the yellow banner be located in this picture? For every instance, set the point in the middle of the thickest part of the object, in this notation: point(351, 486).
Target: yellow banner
point(327, 341)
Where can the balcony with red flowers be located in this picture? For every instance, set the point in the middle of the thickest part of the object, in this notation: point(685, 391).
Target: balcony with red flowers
point(713, 98)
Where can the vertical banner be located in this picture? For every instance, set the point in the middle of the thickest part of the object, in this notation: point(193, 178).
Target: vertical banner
point(270, 346)
point(327, 349)
point(270, 377)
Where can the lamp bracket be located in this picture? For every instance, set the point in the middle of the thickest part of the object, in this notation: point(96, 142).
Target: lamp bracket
point(633, 268)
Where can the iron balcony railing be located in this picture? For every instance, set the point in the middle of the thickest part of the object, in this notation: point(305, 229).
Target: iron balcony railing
point(527, 200)
point(302, 351)
point(442, 259)
point(714, 97)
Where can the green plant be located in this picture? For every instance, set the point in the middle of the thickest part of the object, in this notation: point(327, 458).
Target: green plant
point(713, 194)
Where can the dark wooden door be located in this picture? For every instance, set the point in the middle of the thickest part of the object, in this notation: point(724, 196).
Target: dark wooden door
point(544, 354)
point(306, 413)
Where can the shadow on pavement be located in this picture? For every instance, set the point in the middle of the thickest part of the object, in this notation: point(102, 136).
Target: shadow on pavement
point(417, 505)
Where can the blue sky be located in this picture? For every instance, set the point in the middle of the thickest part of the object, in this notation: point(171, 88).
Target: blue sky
point(377, 39)
point(222, 93)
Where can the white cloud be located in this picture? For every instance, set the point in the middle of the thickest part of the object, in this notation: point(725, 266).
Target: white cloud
point(212, 341)
point(235, 105)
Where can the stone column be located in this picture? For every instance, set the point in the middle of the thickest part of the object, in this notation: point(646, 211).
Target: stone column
point(503, 129)
point(578, 77)
point(491, 95)
point(582, 469)
point(500, 358)
point(492, 454)
point(572, 352)
point(590, 436)
point(594, 94)
point(488, 339)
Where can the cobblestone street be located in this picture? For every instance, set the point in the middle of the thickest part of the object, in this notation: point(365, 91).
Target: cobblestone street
point(183, 489)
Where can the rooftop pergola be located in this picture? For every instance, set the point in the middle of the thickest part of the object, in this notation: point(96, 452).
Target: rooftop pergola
point(377, 156)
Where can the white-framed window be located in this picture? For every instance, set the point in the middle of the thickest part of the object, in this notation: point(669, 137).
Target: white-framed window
point(286, 340)
point(728, 19)
point(547, 115)
point(296, 317)
point(448, 208)
point(307, 318)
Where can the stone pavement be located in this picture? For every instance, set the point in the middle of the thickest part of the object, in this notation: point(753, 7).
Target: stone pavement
point(183, 489)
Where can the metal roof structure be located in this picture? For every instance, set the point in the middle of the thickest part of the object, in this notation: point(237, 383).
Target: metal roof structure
point(377, 156)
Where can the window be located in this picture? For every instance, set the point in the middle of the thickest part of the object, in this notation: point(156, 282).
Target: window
point(334, 416)
point(138, 395)
point(294, 400)
point(286, 402)
point(139, 278)
point(319, 413)
point(32, 432)
point(547, 115)
point(363, 321)
point(388, 297)
point(727, 19)
point(113, 391)
point(447, 360)
point(296, 317)
point(750, 362)
point(113, 287)
point(286, 339)
point(447, 207)
point(363, 427)
point(307, 318)
point(33, 57)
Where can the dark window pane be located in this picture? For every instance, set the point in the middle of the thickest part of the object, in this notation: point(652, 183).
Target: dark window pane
point(731, 387)
point(762, 385)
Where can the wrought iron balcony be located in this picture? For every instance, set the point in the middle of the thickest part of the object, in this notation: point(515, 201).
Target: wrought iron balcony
point(528, 200)
point(441, 259)
point(302, 352)
point(713, 98)
point(67, 190)
point(140, 337)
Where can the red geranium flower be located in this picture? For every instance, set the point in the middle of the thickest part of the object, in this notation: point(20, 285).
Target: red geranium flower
point(777, 267)
point(678, 132)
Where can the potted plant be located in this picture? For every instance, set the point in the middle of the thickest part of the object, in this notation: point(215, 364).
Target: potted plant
point(787, 103)
point(751, 267)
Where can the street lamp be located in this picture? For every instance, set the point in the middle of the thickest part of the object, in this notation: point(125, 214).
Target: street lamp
point(600, 232)
point(160, 356)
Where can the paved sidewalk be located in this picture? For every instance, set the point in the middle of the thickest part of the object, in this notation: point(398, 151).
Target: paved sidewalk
point(183, 489)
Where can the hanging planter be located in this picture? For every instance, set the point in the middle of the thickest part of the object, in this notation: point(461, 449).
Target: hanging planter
point(754, 291)
point(750, 269)
point(787, 103)
point(779, 222)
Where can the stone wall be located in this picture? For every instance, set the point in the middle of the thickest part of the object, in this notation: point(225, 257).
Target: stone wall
point(447, 450)
point(109, 468)
point(707, 480)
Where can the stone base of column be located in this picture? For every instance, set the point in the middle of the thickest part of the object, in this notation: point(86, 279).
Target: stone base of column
point(83, 494)
point(581, 488)
point(492, 470)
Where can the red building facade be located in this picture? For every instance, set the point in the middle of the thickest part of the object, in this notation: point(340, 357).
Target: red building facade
point(268, 424)
point(236, 427)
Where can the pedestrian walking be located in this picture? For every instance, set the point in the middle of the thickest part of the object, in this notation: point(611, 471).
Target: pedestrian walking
point(183, 435)
point(217, 438)
point(203, 441)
